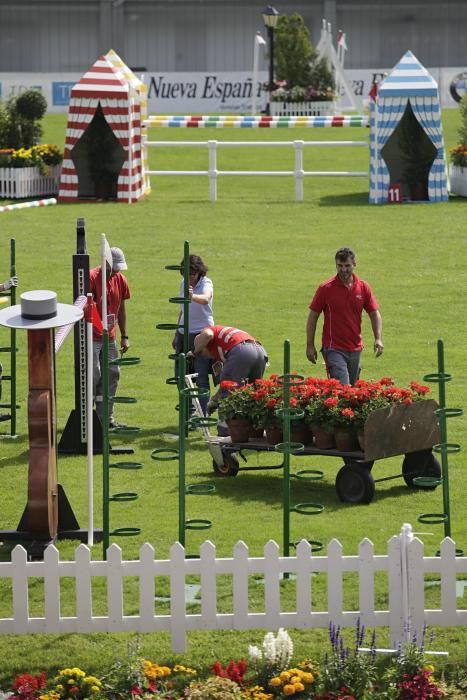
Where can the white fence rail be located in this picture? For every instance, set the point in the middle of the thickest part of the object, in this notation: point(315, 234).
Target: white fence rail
point(404, 564)
point(298, 173)
point(16, 183)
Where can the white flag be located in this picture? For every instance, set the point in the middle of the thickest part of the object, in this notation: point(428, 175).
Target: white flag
point(259, 39)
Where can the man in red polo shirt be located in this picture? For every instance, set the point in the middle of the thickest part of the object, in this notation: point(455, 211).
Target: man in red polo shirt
point(342, 299)
point(117, 293)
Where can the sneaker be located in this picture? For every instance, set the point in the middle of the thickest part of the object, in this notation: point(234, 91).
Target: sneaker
point(113, 424)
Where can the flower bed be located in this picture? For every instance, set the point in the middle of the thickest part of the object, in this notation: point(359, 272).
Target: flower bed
point(346, 674)
point(29, 172)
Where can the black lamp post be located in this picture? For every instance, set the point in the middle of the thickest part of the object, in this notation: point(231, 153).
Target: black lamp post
point(270, 17)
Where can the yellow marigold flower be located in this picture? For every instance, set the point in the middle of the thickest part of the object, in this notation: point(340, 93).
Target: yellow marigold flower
point(59, 687)
point(284, 676)
point(289, 689)
point(165, 670)
point(299, 687)
point(71, 681)
point(275, 682)
point(308, 678)
point(429, 668)
point(95, 689)
point(295, 679)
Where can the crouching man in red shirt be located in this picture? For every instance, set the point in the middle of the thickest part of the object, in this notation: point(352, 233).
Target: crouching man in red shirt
point(243, 358)
point(342, 299)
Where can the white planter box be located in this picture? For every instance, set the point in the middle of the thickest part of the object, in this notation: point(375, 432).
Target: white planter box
point(17, 183)
point(305, 109)
point(458, 177)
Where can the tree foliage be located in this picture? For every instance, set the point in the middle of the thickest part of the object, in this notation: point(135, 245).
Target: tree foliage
point(296, 60)
point(20, 120)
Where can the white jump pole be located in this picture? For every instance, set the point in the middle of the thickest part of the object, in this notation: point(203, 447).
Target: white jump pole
point(259, 41)
point(89, 426)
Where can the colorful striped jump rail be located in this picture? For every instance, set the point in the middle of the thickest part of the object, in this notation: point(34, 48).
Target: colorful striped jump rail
point(254, 122)
point(29, 205)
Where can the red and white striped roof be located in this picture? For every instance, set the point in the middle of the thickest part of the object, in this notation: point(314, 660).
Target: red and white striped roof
point(102, 80)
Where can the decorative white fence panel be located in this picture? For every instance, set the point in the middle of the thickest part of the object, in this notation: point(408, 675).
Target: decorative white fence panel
point(298, 173)
point(16, 183)
point(284, 109)
point(404, 564)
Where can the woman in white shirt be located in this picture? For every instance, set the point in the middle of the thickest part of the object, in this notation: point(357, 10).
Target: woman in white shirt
point(201, 293)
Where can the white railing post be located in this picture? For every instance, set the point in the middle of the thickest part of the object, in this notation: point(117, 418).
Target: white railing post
point(212, 173)
point(406, 536)
point(298, 172)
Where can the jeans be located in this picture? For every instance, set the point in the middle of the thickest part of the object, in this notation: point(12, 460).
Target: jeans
point(114, 375)
point(201, 366)
point(342, 365)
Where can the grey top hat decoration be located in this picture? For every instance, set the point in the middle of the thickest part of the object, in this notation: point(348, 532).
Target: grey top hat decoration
point(38, 310)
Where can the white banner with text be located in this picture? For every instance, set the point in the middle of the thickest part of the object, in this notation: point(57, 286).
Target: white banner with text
point(213, 92)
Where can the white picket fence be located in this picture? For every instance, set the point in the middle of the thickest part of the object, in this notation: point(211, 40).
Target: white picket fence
point(285, 109)
point(404, 564)
point(16, 183)
point(298, 173)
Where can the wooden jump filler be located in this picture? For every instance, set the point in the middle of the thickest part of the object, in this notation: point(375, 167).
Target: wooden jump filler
point(47, 514)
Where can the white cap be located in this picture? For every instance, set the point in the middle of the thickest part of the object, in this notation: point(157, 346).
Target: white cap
point(118, 260)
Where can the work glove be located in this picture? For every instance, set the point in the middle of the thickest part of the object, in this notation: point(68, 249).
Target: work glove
point(12, 282)
point(212, 406)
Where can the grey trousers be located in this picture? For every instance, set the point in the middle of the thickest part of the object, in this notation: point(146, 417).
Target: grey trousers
point(114, 375)
point(342, 365)
point(244, 363)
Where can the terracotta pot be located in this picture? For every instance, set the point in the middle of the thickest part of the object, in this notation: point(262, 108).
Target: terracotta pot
point(274, 433)
point(346, 440)
point(300, 432)
point(239, 429)
point(255, 433)
point(324, 438)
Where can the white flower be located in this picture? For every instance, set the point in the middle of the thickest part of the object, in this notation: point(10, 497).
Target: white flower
point(284, 649)
point(254, 653)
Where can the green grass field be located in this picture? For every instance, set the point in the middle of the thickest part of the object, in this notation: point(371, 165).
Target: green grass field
point(266, 255)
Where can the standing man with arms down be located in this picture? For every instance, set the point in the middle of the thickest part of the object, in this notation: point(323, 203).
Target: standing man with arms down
point(342, 299)
point(117, 293)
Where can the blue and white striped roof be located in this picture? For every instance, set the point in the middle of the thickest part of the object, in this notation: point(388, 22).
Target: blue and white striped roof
point(408, 77)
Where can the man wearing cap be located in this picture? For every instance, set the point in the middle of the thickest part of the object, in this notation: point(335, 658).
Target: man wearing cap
point(117, 293)
point(5, 286)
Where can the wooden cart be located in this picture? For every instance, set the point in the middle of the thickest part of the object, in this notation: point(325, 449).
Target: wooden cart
point(410, 430)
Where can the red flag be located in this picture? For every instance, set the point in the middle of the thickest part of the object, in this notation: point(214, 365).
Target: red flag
point(91, 315)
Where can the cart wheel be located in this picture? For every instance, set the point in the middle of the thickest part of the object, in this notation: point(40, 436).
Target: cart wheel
point(422, 463)
point(354, 484)
point(229, 468)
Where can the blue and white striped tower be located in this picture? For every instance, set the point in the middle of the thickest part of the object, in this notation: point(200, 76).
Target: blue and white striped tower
point(410, 82)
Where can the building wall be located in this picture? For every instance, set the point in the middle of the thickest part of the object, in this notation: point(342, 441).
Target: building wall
point(217, 35)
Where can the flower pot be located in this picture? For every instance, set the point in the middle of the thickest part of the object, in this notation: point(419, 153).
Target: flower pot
point(346, 440)
point(255, 433)
point(458, 179)
point(300, 432)
point(274, 433)
point(239, 429)
point(324, 437)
